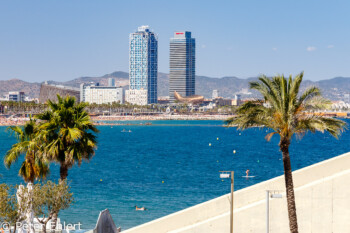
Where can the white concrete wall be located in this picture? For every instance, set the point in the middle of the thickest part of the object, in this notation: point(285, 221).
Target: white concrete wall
point(322, 198)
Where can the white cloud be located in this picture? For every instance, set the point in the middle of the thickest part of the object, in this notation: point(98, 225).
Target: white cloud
point(203, 46)
point(274, 49)
point(330, 46)
point(310, 48)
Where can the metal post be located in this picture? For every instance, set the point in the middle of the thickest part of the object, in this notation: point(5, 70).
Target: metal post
point(232, 189)
point(267, 211)
point(226, 174)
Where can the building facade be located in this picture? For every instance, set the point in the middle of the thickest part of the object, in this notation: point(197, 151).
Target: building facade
point(228, 102)
point(50, 92)
point(138, 97)
point(182, 65)
point(143, 67)
point(94, 93)
point(16, 96)
point(111, 82)
point(215, 94)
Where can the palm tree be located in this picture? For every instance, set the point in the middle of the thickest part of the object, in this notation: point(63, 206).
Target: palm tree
point(33, 166)
point(284, 113)
point(68, 132)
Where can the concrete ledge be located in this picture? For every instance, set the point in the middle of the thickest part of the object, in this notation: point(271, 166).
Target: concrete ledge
point(319, 179)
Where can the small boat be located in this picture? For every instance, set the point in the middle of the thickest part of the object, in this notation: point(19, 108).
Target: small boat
point(140, 208)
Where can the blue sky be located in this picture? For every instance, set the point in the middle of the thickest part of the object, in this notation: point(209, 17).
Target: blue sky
point(62, 40)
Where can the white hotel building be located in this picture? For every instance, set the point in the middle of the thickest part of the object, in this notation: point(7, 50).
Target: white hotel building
point(94, 93)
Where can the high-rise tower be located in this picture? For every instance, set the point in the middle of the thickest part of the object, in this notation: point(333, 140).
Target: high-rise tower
point(143, 67)
point(182, 65)
point(111, 82)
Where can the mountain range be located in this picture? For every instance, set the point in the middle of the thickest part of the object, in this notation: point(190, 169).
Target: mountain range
point(333, 89)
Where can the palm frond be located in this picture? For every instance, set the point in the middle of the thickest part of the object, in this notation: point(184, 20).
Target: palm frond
point(68, 132)
point(286, 114)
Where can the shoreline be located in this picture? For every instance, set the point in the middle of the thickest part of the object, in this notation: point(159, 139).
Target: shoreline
point(161, 117)
point(119, 120)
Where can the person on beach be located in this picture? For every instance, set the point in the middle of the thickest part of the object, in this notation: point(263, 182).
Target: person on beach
point(247, 172)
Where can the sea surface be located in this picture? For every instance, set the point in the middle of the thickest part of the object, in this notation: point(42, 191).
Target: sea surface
point(171, 165)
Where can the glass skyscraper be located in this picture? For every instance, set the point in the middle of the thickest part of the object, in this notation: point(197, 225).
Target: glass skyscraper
point(143, 67)
point(182, 65)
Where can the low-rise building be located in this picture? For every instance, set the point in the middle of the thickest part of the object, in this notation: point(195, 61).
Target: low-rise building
point(50, 92)
point(163, 100)
point(223, 102)
point(134, 96)
point(94, 93)
point(16, 96)
point(220, 101)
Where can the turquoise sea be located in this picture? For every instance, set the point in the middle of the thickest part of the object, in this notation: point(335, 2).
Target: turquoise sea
point(129, 168)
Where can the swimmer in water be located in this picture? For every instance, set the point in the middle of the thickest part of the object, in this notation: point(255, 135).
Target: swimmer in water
point(247, 172)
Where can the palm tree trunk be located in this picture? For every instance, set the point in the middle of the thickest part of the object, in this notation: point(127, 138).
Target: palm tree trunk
point(63, 171)
point(32, 172)
point(292, 213)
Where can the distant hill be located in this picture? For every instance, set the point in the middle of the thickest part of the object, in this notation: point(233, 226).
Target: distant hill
point(333, 89)
point(121, 78)
point(31, 89)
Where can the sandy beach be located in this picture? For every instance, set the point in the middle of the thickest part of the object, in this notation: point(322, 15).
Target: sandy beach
point(13, 121)
point(161, 117)
point(118, 120)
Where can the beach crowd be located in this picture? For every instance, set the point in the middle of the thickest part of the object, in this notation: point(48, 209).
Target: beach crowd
point(13, 121)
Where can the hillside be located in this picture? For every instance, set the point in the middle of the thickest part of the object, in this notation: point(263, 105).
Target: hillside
point(31, 89)
point(333, 89)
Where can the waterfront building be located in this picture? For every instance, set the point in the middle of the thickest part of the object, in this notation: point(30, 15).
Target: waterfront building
point(135, 96)
point(228, 102)
point(49, 91)
point(16, 96)
point(143, 67)
point(94, 93)
point(182, 65)
point(163, 100)
point(111, 82)
point(223, 102)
